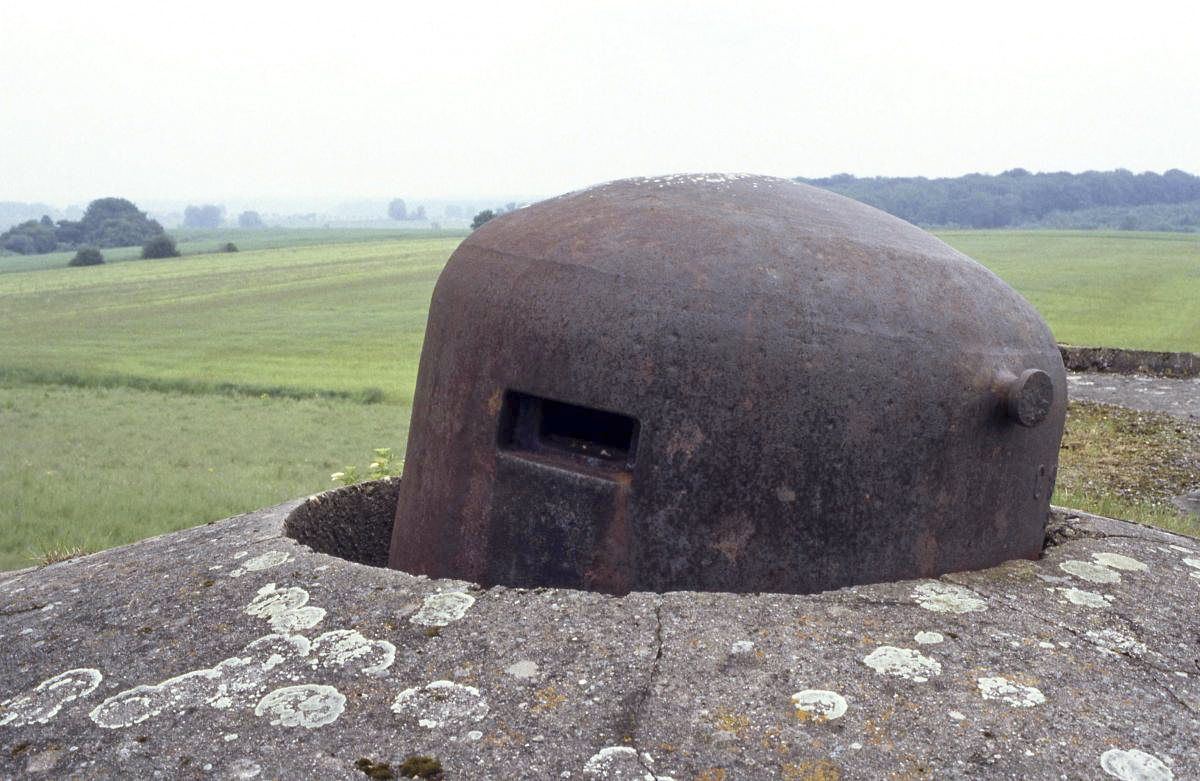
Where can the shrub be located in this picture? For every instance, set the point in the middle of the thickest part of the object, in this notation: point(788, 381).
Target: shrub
point(161, 246)
point(87, 256)
point(481, 218)
point(229, 246)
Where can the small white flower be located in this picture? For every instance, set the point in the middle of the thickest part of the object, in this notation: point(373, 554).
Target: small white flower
point(337, 475)
point(374, 464)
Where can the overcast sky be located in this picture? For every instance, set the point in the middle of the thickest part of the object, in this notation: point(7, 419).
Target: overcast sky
point(215, 100)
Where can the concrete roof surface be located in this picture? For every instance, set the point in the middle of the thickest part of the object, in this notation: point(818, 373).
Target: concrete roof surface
point(231, 651)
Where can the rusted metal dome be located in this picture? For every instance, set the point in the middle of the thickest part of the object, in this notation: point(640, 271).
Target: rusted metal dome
point(731, 383)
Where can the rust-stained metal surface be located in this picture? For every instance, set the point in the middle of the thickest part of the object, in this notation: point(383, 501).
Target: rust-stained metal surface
point(730, 383)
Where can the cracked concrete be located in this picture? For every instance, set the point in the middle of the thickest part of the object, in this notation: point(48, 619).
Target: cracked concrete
point(232, 651)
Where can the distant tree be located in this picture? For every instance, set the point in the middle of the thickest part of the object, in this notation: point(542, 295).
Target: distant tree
point(397, 210)
point(30, 237)
point(107, 222)
point(1018, 197)
point(419, 214)
point(452, 211)
point(20, 243)
point(249, 219)
point(229, 246)
point(205, 216)
point(111, 222)
point(482, 217)
point(87, 256)
point(161, 246)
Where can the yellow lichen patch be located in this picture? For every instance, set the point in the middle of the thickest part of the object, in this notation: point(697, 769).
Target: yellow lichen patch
point(711, 774)
point(810, 770)
point(729, 720)
point(548, 698)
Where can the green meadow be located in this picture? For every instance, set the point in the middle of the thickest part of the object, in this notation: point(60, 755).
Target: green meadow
point(141, 397)
point(1100, 288)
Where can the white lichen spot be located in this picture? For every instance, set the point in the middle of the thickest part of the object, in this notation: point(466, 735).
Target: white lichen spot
point(43, 702)
point(242, 769)
point(1114, 642)
point(1134, 765)
point(1119, 561)
point(819, 704)
point(523, 669)
point(947, 598)
point(285, 608)
point(308, 705)
point(929, 638)
point(272, 558)
point(1077, 596)
point(347, 647)
point(441, 704)
point(229, 737)
point(1090, 571)
point(474, 735)
point(902, 663)
point(133, 706)
point(1015, 694)
point(741, 647)
point(956, 715)
point(622, 763)
point(234, 682)
point(443, 609)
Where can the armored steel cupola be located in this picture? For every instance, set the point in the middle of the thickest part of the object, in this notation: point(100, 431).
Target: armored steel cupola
point(731, 383)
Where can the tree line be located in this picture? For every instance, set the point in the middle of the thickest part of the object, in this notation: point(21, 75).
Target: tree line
point(107, 222)
point(1020, 198)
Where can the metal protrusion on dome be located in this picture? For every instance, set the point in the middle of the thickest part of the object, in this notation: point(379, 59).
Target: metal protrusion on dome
point(1030, 397)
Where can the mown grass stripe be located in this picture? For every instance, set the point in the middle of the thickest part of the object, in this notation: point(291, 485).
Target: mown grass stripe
point(28, 376)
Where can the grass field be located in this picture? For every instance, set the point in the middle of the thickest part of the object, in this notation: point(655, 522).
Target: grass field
point(1100, 289)
point(190, 241)
point(131, 393)
point(141, 397)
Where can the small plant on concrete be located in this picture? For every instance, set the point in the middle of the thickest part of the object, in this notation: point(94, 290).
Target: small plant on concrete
point(382, 466)
point(57, 553)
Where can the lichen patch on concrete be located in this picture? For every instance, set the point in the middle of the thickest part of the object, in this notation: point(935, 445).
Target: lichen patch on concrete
point(263, 561)
point(1077, 596)
point(1015, 694)
point(348, 647)
point(902, 663)
point(1114, 642)
point(929, 638)
point(44, 701)
point(819, 704)
point(1134, 765)
point(525, 669)
point(943, 597)
point(621, 763)
point(441, 704)
point(285, 608)
point(443, 609)
point(1119, 561)
point(1090, 571)
point(307, 705)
